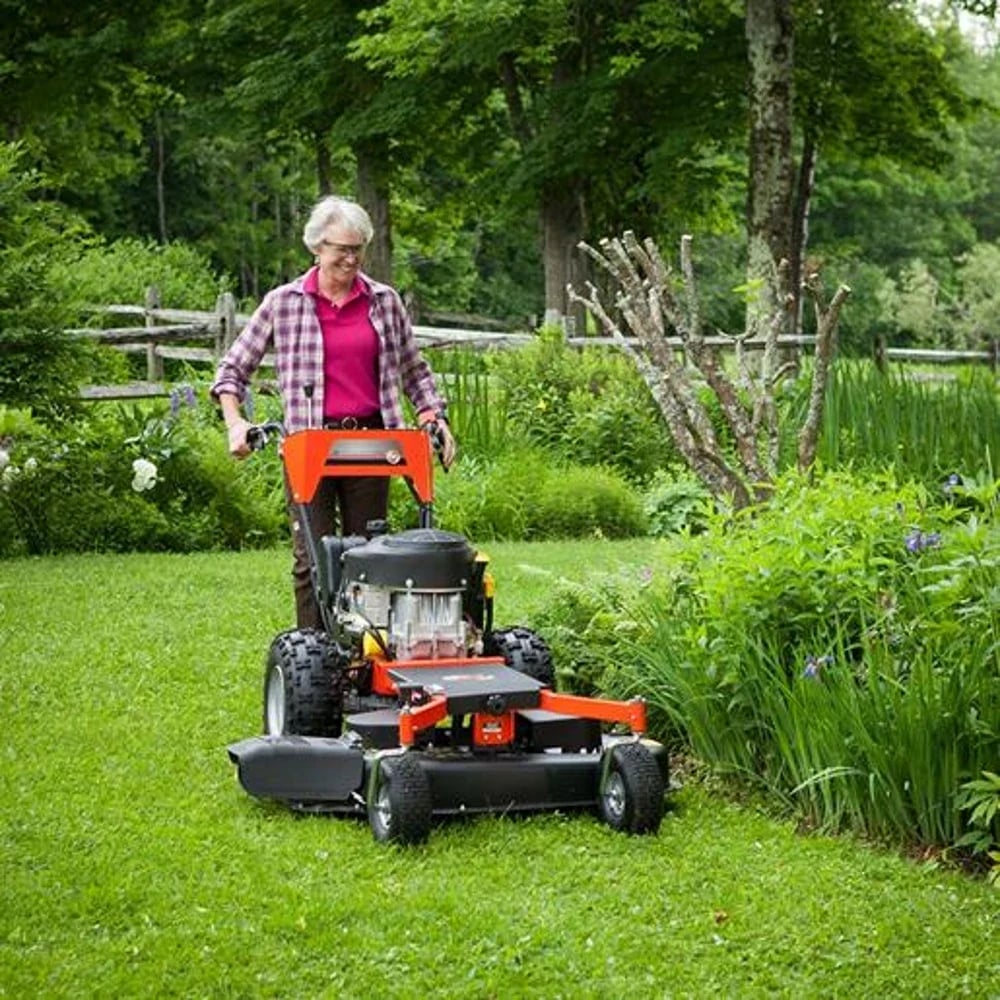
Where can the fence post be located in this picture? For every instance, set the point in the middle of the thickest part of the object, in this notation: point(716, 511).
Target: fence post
point(154, 363)
point(880, 357)
point(225, 313)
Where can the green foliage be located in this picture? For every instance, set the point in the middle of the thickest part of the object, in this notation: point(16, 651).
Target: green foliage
point(981, 800)
point(96, 272)
point(589, 405)
point(922, 428)
point(675, 502)
point(977, 311)
point(76, 486)
point(525, 494)
point(590, 625)
point(839, 648)
point(39, 364)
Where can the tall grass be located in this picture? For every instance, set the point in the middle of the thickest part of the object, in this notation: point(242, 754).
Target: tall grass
point(923, 428)
point(832, 652)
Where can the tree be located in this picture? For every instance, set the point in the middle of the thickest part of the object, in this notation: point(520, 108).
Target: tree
point(581, 112)
point(654, 305)
point(770, 49)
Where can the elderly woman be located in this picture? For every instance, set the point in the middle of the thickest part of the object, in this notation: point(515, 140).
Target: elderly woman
point(344, 350)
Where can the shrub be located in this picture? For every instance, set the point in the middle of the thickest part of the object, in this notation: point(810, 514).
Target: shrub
point(589, 406)
point(39, 364)
point(94, 272)
point(839, 647)
point(676, 501)
point(525, 494)
point(74, 486)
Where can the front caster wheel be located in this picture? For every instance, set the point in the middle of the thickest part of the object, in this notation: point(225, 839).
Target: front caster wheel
point(631, 798)
point(400, 809)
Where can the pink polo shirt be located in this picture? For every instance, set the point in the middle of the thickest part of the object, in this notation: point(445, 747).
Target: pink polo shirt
point(350, 352)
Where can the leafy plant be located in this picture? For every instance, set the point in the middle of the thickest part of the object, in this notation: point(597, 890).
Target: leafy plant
point(980, 798)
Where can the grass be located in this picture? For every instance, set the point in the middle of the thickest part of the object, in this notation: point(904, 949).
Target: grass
point(132, 865)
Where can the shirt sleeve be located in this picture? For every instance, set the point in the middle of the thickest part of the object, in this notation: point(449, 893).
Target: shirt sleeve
point(415, 374)
point(244, 356)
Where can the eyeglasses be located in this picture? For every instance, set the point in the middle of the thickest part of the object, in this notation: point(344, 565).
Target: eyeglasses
point(344, 249)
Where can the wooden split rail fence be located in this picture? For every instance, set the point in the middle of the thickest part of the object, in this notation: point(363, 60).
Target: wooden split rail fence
point(202, 337)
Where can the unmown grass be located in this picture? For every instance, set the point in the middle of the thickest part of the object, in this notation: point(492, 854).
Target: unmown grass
point(132, 864)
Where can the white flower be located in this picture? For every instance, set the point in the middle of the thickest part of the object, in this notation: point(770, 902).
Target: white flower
point(9, 474)
point(4, 458)
point(145, 475)
point(30, 463)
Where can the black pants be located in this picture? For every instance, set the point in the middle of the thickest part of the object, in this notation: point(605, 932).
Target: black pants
point(350, 502)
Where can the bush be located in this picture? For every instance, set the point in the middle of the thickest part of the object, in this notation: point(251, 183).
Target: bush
point(75, 486)
point(524, 494)
point(39, 364)
point(589, 406)
point(839, 647)
point(93, 272)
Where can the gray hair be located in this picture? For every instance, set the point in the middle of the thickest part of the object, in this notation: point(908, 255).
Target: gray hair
point(336, 211)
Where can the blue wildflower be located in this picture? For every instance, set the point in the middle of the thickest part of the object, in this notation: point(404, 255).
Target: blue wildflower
point(814, 665)
point(917, 540)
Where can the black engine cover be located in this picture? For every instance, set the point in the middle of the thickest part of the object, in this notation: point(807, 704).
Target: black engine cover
point(423, 558)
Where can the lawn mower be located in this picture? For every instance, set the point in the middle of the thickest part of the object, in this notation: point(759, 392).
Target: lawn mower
point(408, 705)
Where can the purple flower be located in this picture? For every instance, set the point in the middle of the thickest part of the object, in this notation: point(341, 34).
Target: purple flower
point(917, 540)
point(814, 665)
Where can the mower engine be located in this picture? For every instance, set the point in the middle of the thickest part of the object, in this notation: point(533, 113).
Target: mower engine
point(410, 589)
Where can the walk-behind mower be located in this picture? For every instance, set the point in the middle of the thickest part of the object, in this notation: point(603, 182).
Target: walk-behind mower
point(408, 705)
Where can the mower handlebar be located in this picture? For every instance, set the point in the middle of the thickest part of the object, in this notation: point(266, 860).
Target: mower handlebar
point(259, 435)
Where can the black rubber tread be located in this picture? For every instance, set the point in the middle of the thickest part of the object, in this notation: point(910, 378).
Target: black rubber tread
point(409, 799)
point(311, 696)
point(523, 650)
point(643, 786)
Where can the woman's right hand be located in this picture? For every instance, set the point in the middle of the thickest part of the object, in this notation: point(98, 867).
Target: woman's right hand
point(237, 431)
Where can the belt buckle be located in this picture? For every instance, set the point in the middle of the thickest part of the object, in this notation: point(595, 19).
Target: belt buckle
point(349, 423)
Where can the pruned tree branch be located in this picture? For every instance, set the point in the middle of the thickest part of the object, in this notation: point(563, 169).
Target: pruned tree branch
point(651, 302)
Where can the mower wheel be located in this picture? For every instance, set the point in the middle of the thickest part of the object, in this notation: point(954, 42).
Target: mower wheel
point(400, 809)
point(631, 799)
point(524, 651)
point(300, 696)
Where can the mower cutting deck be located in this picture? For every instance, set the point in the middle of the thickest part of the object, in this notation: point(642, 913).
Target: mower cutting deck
point(408, 705)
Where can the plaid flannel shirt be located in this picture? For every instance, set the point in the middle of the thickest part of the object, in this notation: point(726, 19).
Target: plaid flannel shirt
point(286, 319)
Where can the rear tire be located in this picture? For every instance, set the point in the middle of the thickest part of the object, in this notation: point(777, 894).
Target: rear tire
point(400, 811)
point(300, 694)
point(524, 651)
point(632, 797)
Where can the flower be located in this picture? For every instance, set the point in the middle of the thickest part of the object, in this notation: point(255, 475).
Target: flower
point(30, 463)
point(814, 664)
point(9, 474)
point(145, 475)
point(917, 541)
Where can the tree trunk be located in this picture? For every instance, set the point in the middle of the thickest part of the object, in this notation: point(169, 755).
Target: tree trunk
point(324, 167)
point(769, 32)
point(562, 230)
point(161, 197)
point(373, 194)
point(800, 226)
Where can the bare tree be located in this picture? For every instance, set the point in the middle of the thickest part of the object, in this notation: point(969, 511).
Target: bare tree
point(666, 339)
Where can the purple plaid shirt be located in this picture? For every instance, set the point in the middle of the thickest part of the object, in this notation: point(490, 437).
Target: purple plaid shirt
point(287, 320)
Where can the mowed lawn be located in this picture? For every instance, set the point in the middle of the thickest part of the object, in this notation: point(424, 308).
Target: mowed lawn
point(133, 865)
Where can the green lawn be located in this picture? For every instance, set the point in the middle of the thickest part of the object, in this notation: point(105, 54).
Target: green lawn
point(133, 865)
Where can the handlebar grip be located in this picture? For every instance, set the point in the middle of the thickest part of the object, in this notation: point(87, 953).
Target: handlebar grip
point(258, 435)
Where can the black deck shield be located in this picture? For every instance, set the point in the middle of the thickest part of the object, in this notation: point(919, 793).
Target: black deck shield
point(298, 768)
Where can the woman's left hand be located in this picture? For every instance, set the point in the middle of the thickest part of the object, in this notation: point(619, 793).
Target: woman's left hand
point(446, 443)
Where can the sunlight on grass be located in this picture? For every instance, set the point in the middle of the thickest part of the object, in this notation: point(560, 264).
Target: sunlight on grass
point(133, 865)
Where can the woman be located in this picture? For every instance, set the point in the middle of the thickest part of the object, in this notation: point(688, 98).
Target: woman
point(344, 349)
